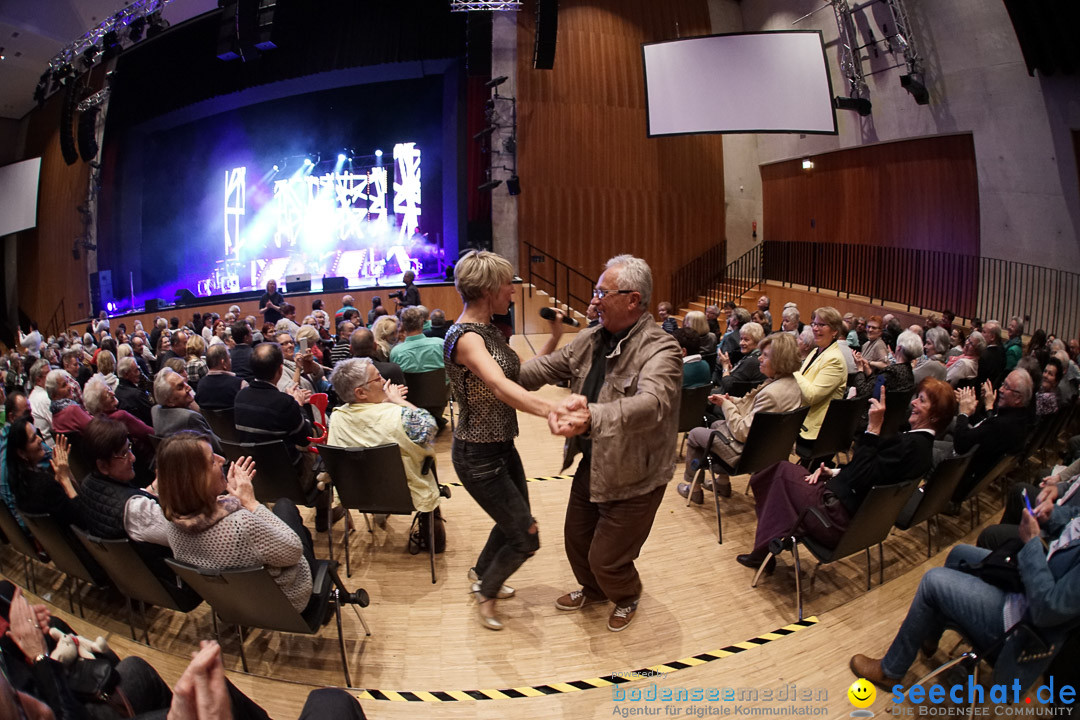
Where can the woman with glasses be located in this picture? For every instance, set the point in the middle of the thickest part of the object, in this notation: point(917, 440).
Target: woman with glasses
point(823, 375)
point(875, 350)
point(483, 372)
point(966, 366)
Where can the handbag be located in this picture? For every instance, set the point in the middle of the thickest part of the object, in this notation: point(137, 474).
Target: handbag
point(97, 681)
point(1000, 568)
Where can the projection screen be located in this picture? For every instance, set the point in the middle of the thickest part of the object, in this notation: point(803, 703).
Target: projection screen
point(766, 82)
point(19, 195)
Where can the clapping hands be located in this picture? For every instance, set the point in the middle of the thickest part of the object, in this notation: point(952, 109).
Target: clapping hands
point(239, 480)
point(571, 417)
point(201, 693)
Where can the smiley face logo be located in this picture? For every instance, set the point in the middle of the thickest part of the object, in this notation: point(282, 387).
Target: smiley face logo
point(861, 693)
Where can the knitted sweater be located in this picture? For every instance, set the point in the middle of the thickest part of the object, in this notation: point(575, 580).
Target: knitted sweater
point(245, 539)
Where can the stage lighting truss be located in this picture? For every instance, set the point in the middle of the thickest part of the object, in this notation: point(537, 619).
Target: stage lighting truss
point(485, 5)
point(137, 10)
point(94, 100)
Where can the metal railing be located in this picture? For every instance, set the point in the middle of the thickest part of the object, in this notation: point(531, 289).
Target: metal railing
point(58, 322)
point(970, 286)
point(565, 284)
point(697, 276)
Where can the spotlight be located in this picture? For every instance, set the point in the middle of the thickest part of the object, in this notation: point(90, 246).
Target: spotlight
point(111, 42)
point(341, 158)
point(88, 56)
point(859, 105)
point(135, 30)
point(378, 153)
point(913, 83)
point(275, 168)
point(111, 307)
point(807, 164)
point(307, 161)
point(489, 185)
point(484, 133)
point(496, 82)
point(513, 185)
point(157, 25)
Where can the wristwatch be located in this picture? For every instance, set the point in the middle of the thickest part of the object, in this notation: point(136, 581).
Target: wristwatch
point(39, 658)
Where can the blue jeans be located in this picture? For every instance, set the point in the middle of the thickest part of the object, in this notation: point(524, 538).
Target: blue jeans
point(948, 597)
point(492, 473)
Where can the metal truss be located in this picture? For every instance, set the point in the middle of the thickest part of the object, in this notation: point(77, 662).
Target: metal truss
point(122, 18)
point(905, 38)
point(850, 59)
point(485, 5)
point(94, 100)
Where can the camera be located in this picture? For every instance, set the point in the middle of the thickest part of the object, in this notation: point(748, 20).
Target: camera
point(398, 294)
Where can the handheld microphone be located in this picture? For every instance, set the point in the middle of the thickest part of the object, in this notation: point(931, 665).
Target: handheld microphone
point(549, 314)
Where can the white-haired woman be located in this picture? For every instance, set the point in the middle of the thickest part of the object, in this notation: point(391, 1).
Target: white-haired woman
point(106, 365)
point(895, 377)
point(966, 366)
point(932, 363)
point(68, 416)
point(483, 372)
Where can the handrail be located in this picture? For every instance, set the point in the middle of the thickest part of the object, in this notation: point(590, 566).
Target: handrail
point(566, 285)
point(741, 274)
point(53, 327)
point(698, 275)
point(970, 286)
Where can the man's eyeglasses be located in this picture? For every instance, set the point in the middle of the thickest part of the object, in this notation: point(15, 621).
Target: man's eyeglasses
point(601, 294)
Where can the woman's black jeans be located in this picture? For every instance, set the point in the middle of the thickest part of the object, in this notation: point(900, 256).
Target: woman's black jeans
point(492, 473)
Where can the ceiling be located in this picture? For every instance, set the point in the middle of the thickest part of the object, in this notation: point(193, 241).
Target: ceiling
point(32, 32)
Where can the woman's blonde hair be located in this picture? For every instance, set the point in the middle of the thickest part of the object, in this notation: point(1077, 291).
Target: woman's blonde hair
point(106, 363)
point(479, 273)
point(784, 357)
point(696, 319)
point(183, 476)
point(196, 346)
point(385, 331)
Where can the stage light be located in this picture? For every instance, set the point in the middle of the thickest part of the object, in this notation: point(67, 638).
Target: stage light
point(484, 133)
point(88, 56)
point(489, 185)
point(496, 82)
point(276, 168)
point(859, 105)
point(157, 25)
point(913, 83)
point(111, 306)
point(378, 153)
point(807, 164)
point(513, 185)
point(341, 158)
point(135, 30)
point(307, 161)
point(111, 42)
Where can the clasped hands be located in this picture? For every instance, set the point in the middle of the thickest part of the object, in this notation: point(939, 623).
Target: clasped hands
point(571, 417)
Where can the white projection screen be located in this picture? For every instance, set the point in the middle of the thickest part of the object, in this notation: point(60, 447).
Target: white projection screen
point(766, 82)
point(19, 196)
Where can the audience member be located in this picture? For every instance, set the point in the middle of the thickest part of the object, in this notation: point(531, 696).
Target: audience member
point(763, 307)
point(729, 344)
point(992, 360)
point(779, 360)
point(194, 362)
point(410, 296)
point(966, 366)
point(347, 304)
point(696, 319)
point(712, 312)
point(377, 413)
point(932, 363)
point(438, 324)
point(747, 368)
point(782, 491)
point(823, 375)
point(663, 316)
point(68, 416)
point(362, 345)
point(270, 303)
point(875, 351)
point(386, 330)
point(39, 399)
point(376, 302)
point(1048, 398)
point(129, 394)
point(1014, 346)
point(241, 351)
point(897, 377)
point(298, 370)
point(176, 409)
point(789, 321)
point(416, 353)
point(36, 489)
point(341, 349)
point(695, 370)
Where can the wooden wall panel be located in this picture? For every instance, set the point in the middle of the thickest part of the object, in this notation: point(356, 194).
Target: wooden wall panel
point(593, 184)
point(48, 274)
point(919, 194)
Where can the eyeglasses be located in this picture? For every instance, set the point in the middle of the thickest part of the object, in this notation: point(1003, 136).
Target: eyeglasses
point(123, 454)
point(601, 294)
point(819, 324)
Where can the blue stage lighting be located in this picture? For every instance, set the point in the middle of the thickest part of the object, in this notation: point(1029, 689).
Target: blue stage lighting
point(307, 161)
point(341, 158)
point(276, 168)
point(378, 153)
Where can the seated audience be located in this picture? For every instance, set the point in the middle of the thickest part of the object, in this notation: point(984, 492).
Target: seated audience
point(35, 489)
point(778, 361)
point(763, 307)
point(15, 406)
point(386, 330)
point(712, 312)
point(782, 491)
point(347, 304)
point(950, 597)
point(875, 351)
point(992, 361)
point(341, 350)
point(194, 362)
point(129, 395)
point(663, 316)
point(71, 360)
point(747, 368)
point(729, 343)
point(1014, 346)
point(176, 409)
point(823, 375)
point(217, 390)
point(298, 370)
point(102, 402)
point(310, 335)
point(438, 324)
point(263, 414)
point(362, 345)
point(932, 363)
point(966, 366)
point(68, 416)
point(1048, 398)
point(39, 399)
point(789, 321)
point(897, 377)
point(287, 323)
point(377, 413)
point(695, 370)
point(696, 320)
point(241, 350)
point(416, 353)
point(215, 522)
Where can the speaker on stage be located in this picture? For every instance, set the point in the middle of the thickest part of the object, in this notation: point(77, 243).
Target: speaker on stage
point(101, 292)
point(153, 304)
point(185, 297)
point(547, 30)
point(298, 283)
point(334, 284)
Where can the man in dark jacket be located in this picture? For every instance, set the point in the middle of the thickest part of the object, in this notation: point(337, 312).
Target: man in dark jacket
point(129, 395)
point(241, 354)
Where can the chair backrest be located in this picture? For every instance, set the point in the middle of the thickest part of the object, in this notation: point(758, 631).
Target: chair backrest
point(939, 489)
point(70, 559)
point(739, 388)
point(15, 535)
point(874, 519)
point(692, 407)
point(897, 411)
point(838, 427)
point(428, 389)
point(128, 571)
point(770, 439)
point(275, 475)
point(244, 596)
point(222, 422)
point(77, 460)
point(371, 480)
point(1002, 467)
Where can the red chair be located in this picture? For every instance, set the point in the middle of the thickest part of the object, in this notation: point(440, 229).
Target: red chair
point(319, 401)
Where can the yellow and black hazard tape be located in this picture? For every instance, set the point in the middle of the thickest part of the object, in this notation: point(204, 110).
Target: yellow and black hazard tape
point(438, 696)
point(542, 478)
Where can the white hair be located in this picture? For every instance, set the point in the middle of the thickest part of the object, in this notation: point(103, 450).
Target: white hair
point(910, 344)
point(94, 395)
point(348, 375)
point(634, 274)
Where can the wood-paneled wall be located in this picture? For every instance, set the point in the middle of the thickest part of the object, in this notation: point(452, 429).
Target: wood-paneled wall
point(593, 184)
point(919, 194)
point(48, 274)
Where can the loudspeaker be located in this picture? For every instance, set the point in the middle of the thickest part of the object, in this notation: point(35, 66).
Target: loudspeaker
point(153, 304)
point(88, 146)
point(101, 291)
point(67, 123)
point(547, 29)
point(513, 185)
point(334, 284)
point(185, 297)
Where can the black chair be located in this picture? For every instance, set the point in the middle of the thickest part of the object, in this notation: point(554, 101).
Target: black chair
point(692, 406)
point(23, 545)
point(429, 390)
point(897, 411)
point(231, 595)
point(931, 498)
point(869, 527)
point(67, 554)
point(80, 465)
point(836, 433)
point(134, 578)
point(1003, 467)
point(373, 481)
point(222, 423)
point(741, 388)
point(769, 441)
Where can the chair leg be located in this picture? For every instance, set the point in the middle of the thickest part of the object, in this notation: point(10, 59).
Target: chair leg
point(881, 563)
point(431, 543)
point(719, 516)
point(869, 574)
point(341, 637)
point(798, 572)
point(330, 525)
point(145, 622)
point(243, 658)
point(131, 617)
point(348, 535)
point(929, 539)
point(693, 484)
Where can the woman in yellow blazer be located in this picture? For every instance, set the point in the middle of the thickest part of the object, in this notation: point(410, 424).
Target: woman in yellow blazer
point(823, 376)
